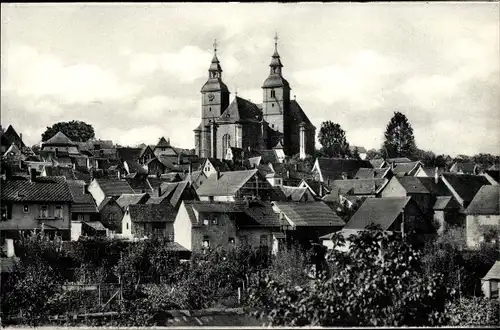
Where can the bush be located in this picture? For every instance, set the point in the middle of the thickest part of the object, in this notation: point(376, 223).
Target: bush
point(473, 312)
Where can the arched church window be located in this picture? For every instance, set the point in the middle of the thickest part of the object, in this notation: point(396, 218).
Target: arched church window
point(210, 109)
point(272, 105)
point(273, 93)
point(226, 141)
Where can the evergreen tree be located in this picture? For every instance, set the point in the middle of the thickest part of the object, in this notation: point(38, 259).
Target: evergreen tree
point(399, 139)
point(333, 140)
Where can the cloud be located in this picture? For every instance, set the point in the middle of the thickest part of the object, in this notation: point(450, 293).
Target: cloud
point(30, 74)
point(162, 106)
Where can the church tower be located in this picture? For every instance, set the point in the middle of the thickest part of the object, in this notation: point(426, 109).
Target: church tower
point(214, 100)
point(276, 99)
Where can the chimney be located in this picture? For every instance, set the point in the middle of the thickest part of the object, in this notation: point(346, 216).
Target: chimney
point(179, 159)
point(288, 174)
point(21, 136)
point(296, 167)
point(436, 176)
point(320, 189)
point(392, 166)
point(32, 175)
point(9, 242)
point(190, 167)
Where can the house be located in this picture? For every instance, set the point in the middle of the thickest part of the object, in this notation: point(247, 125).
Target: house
point(203, 225)
point(159, 200)
point(317, 188)
point(464, 168)
point(196, 178)
point(131, 199)
point(178, 191)
point(140, 220)
point(482, 214)
point(231, 186)
point(111, 214)
point(378, 163)
point(493, 176)
point(84, 208)
point(464, 186)
point(306, 222)
point(297, 194)
point(67, 172)
point(102, 188)
point(210, 166)
point(374, 173)
point(330, 169)
point(36, 203)
point(394, 214)
point(422, 190)
point(10, 137)
point(59, 143)
point(446, 213)
point(341, 189)
point(140, 183)
point(490, 282)
point(155, 166)
point(398, 160)
point(134, 160)
point(429, 172)
point(406, 169)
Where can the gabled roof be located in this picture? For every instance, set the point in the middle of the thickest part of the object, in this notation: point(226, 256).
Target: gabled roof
point(129, 154)
point(316, 186)
point(157, 200)
point(398, 160)
point(163, 143)
point(465, 185)
point(83, 202)
point(380, 211)
point(67, 172)
point(43, 189)
point(435, 189)
point(332, 168)
point(358, 186)
point(494, 167)
point(493, 273)
point(405, 168)
point(377, 163)
point(268, 156)
point(152, 213)
point(129, 199)
point(372, 173)
point(412, 185)
point(314, 214)
point(178, 192)
point(60, 139)
point(464, 167)
point(360, 149)
point(295, 194)
point(105, 202)
point(114, 188)
point(241, 110)
point(486, 201)
point(446, 203)
point(12, 137)
point(430, 171)
point(227, 185)
point(298, 115)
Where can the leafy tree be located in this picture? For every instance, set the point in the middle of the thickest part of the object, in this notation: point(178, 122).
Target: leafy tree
point(333, 140)
point(474, 312)
point(76, 131)
point(377, 282)
point(355, 154)
point(399, 139)
point(373, 154)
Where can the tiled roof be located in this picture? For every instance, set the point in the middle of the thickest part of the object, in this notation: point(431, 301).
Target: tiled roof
point(152, 212)
point(486, 201)
point(360, 149)
point(357, 187)
point(241, 110)
point(377, 163)
point(293, 193)
point(162, 143)
point(128, 199)
point(298, 115)
point(268, 156)
point(372, 173)
point(494, 272)
point(140, 184)
point(405, 168)
point(465, 185)
point(262, 215)
point(67, 172)
point(445, 203)
point(129, 154)
point(430, 171)
point(436, 189)
point(96, 225)
point(412, 185)
point(380, 211)
point(114, 187)
point(316, 186)
point(227, 185)
point(495, 174)
point(83, 203)
point(135, 167)
point(167, 188)
point(11, 135)
point(314, 214)
point(60, 139)
point(398, 160)
point(156, 200)
point(105, 202)
point(332, 168)
point(464, 167)
point(44, 189)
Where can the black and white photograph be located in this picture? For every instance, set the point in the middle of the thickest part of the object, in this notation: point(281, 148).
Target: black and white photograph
point(248, 165)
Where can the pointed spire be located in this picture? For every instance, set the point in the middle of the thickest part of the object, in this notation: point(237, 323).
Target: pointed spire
point(276, 43)
point(215, 69)
point(275, 61)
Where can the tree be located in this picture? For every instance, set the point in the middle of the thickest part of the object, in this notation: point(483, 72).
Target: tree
point(333, 140)
point(76, 131)
point(355, 154)
point(399, 139)
point(373, 154)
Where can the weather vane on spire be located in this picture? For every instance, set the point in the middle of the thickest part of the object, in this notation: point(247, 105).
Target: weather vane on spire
point(215, 45)
point(275, 40)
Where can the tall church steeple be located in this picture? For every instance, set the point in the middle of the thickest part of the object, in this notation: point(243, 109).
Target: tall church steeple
point(276, 98)
point(214, 100)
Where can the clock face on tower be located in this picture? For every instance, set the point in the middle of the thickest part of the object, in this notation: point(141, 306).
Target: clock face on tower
point(211, 97)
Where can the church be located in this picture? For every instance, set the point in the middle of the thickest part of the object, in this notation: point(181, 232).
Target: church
point(278, 122)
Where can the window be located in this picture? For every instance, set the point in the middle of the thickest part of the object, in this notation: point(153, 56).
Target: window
point(231, 240)
point(263, 240)
point(226, 141)
point(272, 105)
point(74, 216)
point(44, 211)
point(80, 217)
point(206, 242)
point(206, 221)
point(26, 208)
point(4, 212)
point(127, 225)
point(210, 109)
point(215, 220)
point(58, 212)
point(272, 125)
point(211, 198)
point(273, 93)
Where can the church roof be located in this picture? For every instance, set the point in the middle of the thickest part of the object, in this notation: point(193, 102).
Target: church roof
point(215, 65)
point(275, 80)
point(298, 114)
point(241, 110)
point(214, 85)
point(59, 139)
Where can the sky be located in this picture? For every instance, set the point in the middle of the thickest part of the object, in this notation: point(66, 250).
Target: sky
point(134, 71)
